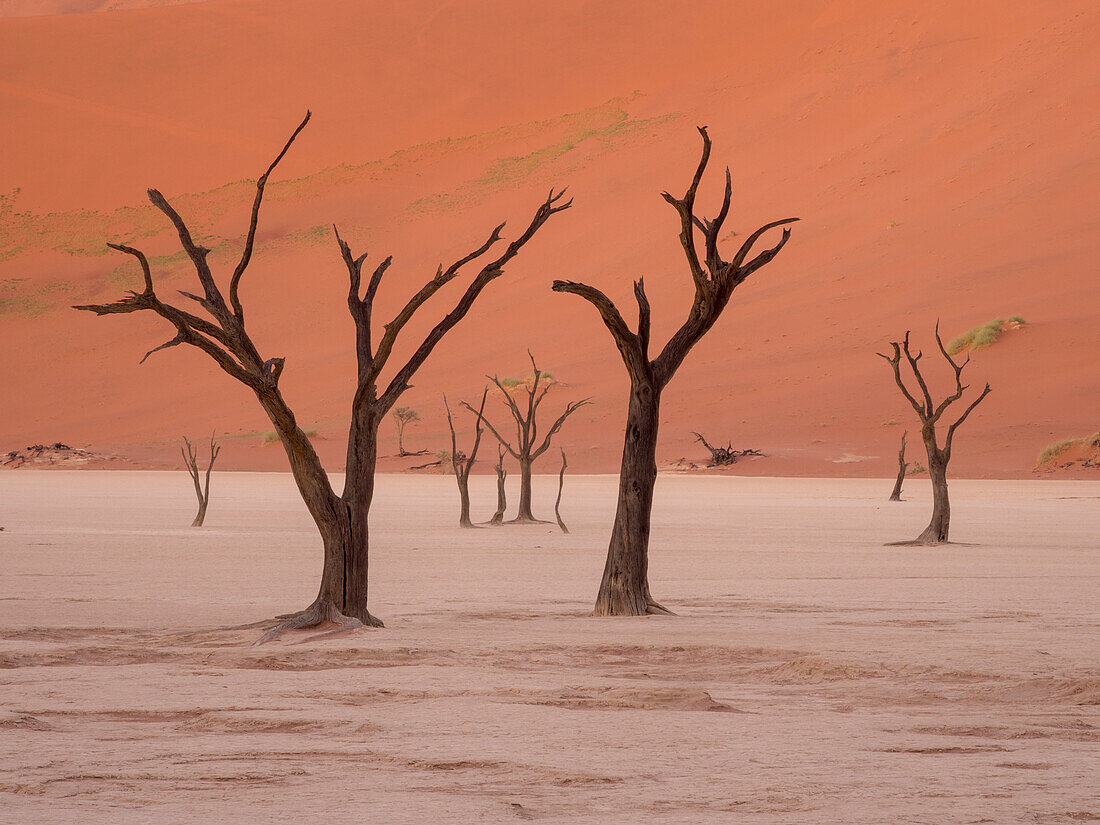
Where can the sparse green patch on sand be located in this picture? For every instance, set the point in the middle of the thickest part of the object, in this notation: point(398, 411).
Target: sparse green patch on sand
point(19, 298)
point(1052, 452)
point(985, 335)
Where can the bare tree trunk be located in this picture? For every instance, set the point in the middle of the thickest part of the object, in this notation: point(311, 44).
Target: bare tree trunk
point(902, 467)
point(463, 464)
point(502, 496)
point(938, 528)
point(464, 495)
point(561, 486)
point(525, 514)
point(624, 589)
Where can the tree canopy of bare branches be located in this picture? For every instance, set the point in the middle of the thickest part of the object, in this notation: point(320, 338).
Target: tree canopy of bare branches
point(463, 463)
point(191, 462)
point(930, 413)
point(624, 589)
point(527, 447)
point(404, 416)
point(220, 332)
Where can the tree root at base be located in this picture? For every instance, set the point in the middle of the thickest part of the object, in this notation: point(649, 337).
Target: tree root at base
point(316, 614)
point(926, 543)
point(652, 608)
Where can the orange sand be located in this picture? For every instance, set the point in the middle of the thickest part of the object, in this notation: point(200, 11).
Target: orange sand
point(941, 156)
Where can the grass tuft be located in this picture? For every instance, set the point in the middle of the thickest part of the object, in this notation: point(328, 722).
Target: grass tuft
point(1050, 452)
point(983, 336)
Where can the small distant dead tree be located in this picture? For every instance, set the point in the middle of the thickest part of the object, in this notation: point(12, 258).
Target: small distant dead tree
point(463, 463)
point(624, 589)
point(527, 447)
point(561, 485)
point(724, 456)
point(930, 413)
point(190, 460)
point(405, 416)
point(903, 465)
point(502, 497)
point(342, 520)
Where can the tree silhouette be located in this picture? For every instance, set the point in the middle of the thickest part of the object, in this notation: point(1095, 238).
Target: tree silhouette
point(528, 448)
point(340, 519)
point(190, 461)
point(462, 463)
point(624, 589)
point(405, 416)
point(930, 413)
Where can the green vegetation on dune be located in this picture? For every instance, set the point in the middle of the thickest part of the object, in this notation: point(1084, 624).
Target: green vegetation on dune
point(983, 336)
point(19, 298)
point(1052, 451)
point(84, 233)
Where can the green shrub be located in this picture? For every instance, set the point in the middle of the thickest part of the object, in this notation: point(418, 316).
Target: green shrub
point(982, 336)
point(445, 465)
point(270, 436)
point(1050, 452)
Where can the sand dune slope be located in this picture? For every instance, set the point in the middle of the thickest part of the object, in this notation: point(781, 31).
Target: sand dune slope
point(939, 154)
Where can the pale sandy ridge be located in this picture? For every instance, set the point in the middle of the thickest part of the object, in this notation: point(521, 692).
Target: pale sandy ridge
point(813, 675)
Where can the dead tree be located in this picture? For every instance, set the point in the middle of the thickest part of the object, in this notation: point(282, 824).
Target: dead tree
point(561, 486)
point(724, 456)
point(903, 465)
point(624, 590)
point(190, 461)
point(221, 334)
point(930, 413)
point(405, 416)
point(462, 463)
point(502, 497)
point(527, 448)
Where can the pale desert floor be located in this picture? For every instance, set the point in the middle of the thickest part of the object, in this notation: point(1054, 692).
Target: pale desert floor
point(813, 675)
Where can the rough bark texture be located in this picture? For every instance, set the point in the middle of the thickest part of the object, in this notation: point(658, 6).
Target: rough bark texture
point(463, 464)
point(624, 589)
point(190, 460)
point(342, 520)
point(929, 413)
point(561, 486)
point(502, 496)
point(528, 448)
point(902, 467)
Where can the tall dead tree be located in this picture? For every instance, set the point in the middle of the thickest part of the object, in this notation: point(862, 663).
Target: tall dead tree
point(404, 416)
point(561, 486)
point(903, 465)
point(624, 589)
point(191, 462)
point(463, 463)
point(930, 413)
point(527, 447)
point(502, 497)
point(340, 519)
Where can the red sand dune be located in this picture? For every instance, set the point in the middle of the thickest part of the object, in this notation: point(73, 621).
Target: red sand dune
point(941, 157)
